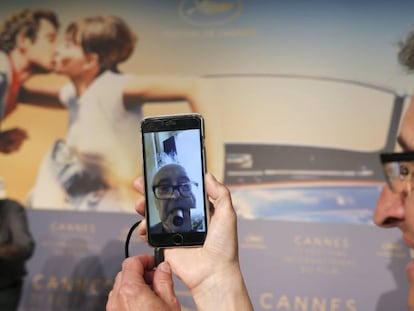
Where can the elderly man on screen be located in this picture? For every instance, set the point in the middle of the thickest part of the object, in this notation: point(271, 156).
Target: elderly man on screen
point(174, 198)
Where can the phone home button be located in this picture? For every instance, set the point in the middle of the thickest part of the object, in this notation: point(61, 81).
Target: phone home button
point(177, 239)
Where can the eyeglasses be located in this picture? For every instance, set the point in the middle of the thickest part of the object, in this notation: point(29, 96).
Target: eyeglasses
point(399, 170)
point(166, 192)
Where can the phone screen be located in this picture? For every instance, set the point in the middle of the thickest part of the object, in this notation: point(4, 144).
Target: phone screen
point(174, 167)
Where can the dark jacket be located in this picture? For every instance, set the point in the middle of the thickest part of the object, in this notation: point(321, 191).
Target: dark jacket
point(14, 230)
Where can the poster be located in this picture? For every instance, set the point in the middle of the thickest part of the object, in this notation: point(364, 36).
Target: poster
point(299, 98)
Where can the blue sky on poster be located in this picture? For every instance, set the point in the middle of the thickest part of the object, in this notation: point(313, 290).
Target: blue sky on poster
point(347, 39)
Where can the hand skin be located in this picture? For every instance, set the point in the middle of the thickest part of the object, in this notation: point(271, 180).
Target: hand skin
point(212, 272)
point(11, 140)
point(140, 288)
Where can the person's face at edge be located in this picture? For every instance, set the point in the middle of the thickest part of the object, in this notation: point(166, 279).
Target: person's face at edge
point(174, 175)
point(397, 209)
point(41, 51)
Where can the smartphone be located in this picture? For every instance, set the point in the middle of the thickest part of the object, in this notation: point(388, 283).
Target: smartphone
point(174, 163)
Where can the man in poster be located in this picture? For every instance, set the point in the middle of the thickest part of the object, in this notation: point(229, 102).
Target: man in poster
point(27, 47)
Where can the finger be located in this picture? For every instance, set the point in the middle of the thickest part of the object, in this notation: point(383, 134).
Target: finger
point(134, 268)
point(137, 272)
point(223, 222)
point(142, 230)
point(218, 194)
point(140, 206)
point(212, 186)
point(117, 283)
point(164, 286)
point(139, 184)
point(113, 294)
point(131, 288)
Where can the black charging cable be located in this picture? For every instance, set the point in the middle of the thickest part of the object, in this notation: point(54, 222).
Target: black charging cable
point(158, 251)
point(128, 238)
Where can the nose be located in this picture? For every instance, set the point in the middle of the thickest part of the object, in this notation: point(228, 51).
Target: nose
point(59, 48)
point(390, 210)
point(402, 186)
point(176, 193)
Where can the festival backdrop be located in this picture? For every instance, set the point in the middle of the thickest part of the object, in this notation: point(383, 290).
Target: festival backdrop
point(299, 97)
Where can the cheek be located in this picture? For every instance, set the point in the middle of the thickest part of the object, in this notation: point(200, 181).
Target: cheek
point(62, 61)
point(409, 213)
point(44, 51)
point(162, 211)
point(59, 64)
point(67, 64)
point(48, 48)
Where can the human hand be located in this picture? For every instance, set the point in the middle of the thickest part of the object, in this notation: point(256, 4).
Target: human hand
point(138, 287)
point(11, 140)
point(211, 272)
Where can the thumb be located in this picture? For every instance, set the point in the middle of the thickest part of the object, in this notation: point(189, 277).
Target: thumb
point(164, 286)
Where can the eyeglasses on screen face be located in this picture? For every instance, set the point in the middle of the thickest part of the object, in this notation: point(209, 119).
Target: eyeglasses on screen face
point(166, 192)
point(399, 170)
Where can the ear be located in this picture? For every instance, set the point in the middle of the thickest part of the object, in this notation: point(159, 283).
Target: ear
point(23, 41)
point(92, 61)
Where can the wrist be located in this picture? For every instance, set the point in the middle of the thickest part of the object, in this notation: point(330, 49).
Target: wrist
point(223, 291)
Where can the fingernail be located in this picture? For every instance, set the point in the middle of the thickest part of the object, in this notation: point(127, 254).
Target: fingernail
point(165, 267)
